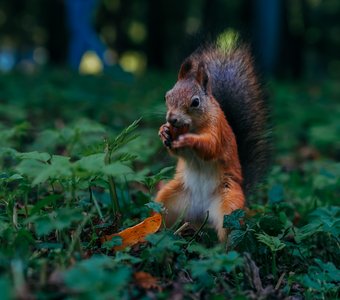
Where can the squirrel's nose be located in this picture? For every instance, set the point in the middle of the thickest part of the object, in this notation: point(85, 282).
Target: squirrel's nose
point(172, 121)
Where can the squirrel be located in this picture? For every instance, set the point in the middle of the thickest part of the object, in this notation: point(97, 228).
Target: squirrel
point(217, 127)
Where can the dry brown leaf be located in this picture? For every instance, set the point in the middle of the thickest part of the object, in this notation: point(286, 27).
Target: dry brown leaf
point(136, 234)
point(146, 280)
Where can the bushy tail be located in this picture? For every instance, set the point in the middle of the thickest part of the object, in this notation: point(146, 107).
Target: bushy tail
point(235, 86)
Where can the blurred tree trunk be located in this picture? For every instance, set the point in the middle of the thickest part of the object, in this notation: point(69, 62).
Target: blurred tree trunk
point(156, 30)
point(268, 19)
point(54, 21)
point(278, 36)
point(120, 20)
point(292, 50)
point(166, 31)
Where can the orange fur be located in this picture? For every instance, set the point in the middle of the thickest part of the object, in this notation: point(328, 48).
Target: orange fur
point(168, 195)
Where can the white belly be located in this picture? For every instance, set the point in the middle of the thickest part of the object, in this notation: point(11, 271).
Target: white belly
point(201, 182)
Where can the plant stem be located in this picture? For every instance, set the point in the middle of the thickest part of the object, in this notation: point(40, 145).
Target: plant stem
point(114, 197)
point(199, 229)
point(112, 186)
point(73, 188)
point(274, 269)
point(93, 198)
point(75, 238)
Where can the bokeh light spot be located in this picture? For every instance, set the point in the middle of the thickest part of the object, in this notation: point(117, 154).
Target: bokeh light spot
point(134, 62)
point(90, 64)
point(137, 32)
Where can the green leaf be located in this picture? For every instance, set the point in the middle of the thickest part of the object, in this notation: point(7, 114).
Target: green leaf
point(123, 138)
point(155, 206)
point(333, 273)
point(41, 156)
point(57, 220)
point(51, 199)
point(99, 277)
point(59, 168)
point(151, 181)
point(163, 244)
point(236, 237)
point(8, 151)
point(321, 278)
point(202, 250)
point(15, 177)
point(115, 241)
point(232, 221)
point(215, 263)
point(92, 164)
point(47, 140)
point(125, 257)
point(323, 219)
point(272, 242)
point(116, 169)
point(30, 167)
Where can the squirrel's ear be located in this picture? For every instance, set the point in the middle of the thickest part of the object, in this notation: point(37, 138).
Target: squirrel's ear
point(202, 77)
point(185, 68)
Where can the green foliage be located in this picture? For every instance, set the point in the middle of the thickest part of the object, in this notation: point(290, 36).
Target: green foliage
point(232, 221)
point(151, 181)
point(324, 220)
point(215, 263)
point(163, 244)
point(272, 242)
point(98, 276)
point(56, 220)
point(74, 173)
point(322, 279)
point(115, 241)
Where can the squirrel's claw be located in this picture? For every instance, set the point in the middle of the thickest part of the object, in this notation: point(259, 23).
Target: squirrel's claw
point(165, 135)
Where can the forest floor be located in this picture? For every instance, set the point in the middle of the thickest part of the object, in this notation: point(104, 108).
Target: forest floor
point(65, 153)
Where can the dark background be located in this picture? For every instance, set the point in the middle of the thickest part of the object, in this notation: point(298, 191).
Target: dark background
point(292, 38)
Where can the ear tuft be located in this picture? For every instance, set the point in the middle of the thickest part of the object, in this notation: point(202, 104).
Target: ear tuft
point(185, 68)
point(202, 77)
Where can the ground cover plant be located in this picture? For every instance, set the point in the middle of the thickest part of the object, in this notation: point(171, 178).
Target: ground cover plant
point(80, 159)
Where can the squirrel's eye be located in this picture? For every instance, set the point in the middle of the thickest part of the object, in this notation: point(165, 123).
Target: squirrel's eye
point(195, 101)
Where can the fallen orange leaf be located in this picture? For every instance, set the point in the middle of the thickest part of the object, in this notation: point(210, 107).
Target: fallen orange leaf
point(146, 280)
point(136, 234)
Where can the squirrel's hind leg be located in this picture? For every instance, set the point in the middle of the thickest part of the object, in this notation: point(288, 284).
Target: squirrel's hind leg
point(170, 196)
point(232, 199)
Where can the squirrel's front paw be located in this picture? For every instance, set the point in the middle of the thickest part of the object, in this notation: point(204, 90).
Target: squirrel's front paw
point(165, 135)
point(185, 140)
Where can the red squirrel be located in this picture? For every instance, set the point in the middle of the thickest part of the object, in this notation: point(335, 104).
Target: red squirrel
point(217, 127)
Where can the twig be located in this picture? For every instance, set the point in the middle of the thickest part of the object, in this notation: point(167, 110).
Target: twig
point(280, 281)
point(179, 230)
